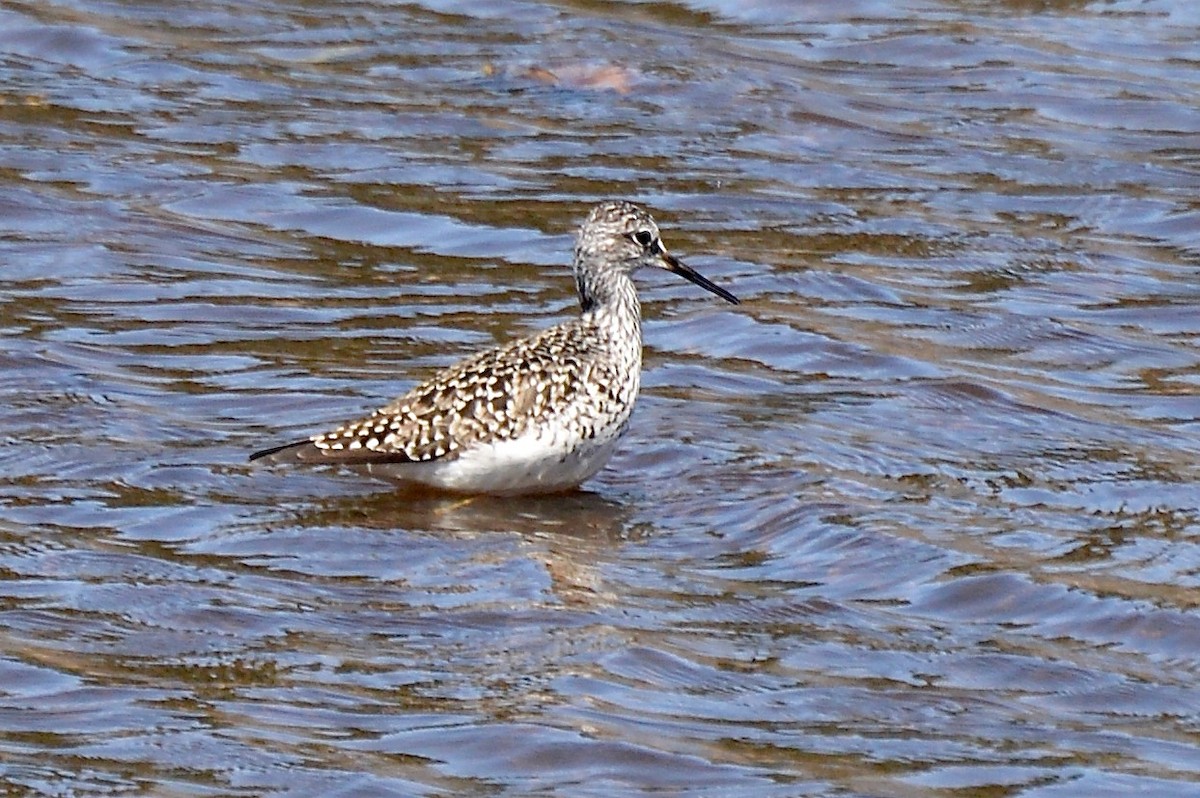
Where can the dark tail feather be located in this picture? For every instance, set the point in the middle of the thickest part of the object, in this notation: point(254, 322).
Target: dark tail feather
point(307, 452)
point(289, 452)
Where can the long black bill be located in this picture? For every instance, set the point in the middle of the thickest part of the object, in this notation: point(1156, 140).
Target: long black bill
point(674, 264)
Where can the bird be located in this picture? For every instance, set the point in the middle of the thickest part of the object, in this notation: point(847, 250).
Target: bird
point(539, 414)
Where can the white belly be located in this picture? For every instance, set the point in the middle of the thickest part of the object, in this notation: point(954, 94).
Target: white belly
point(530, 464)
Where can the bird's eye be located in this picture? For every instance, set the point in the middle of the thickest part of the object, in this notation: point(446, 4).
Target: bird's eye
point(644, 237)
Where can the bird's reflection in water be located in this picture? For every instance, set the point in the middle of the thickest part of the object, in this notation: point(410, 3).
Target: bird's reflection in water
point(571, 534)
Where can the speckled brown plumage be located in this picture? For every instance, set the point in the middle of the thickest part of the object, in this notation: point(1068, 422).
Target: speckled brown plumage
point(495, 395)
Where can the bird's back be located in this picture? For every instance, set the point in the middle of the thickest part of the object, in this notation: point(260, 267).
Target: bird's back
point(569, 389)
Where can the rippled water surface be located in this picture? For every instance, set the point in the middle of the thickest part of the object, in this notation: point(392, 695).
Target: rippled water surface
point(920, 517)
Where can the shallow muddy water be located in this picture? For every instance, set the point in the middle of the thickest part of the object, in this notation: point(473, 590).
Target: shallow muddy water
point(920, 517)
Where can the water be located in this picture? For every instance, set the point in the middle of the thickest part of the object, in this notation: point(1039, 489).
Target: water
point(920, 517)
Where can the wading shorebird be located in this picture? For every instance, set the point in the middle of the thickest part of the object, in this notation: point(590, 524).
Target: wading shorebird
point(538, 414)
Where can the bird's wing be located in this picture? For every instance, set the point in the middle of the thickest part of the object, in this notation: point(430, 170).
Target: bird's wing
point(496, 395)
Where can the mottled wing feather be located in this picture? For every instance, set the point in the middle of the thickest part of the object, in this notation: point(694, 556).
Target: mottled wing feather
point(495, 395)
